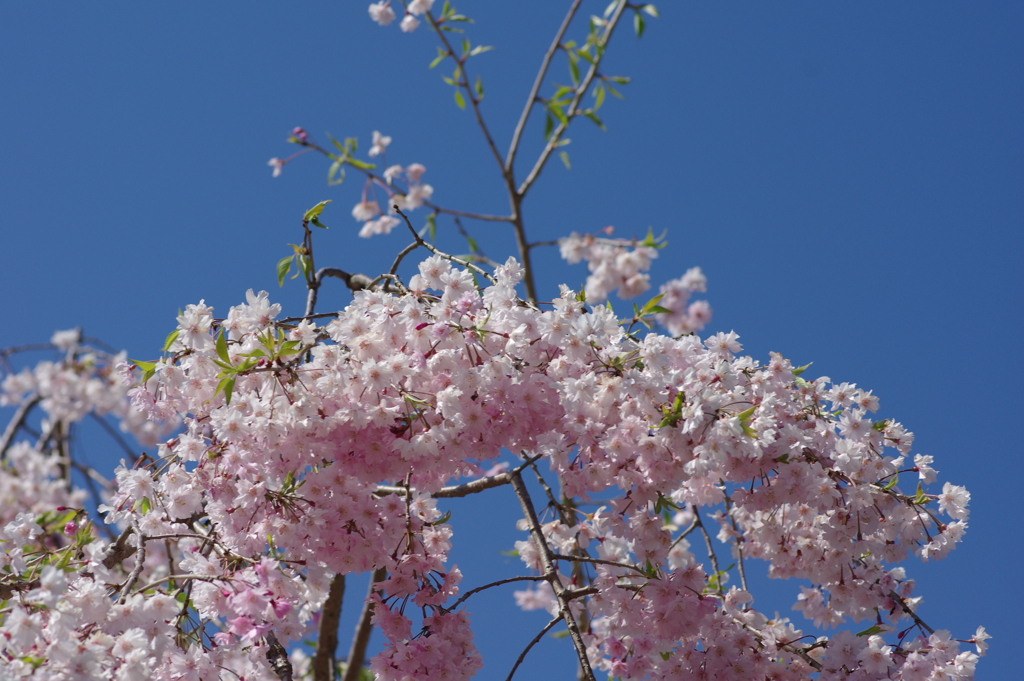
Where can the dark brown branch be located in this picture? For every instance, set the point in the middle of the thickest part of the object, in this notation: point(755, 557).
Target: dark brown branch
point(277, 656)
point(16, 422)
point(530, 645)
point(355, 282)
point(357, 653)
point(324, 663)
point(551, 574)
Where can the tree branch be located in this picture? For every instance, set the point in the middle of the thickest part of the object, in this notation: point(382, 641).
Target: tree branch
point(551, 573)
point(530, 645)
point(327, 640)
point(531, 99)
point(357, 653)
point(570, 112)
point(16, 421)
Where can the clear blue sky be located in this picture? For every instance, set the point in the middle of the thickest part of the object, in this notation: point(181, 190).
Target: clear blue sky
point(849, 176)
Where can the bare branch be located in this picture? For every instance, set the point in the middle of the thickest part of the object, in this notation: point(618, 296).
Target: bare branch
point(531, 99)
point(327, 640)
point(16, 422)
point(357, 653)
point(570, 112)
point(551, 574)
point(530, 645)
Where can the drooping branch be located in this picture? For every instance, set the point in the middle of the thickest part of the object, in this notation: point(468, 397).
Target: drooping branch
point(357, 652)
point(16, 422)
point(327, 640)
point(530, 645)
point(551, 574)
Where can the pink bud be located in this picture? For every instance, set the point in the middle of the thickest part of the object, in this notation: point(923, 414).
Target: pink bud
point(71, 528)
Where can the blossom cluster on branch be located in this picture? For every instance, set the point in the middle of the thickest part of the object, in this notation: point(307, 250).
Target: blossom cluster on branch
point(288, 453)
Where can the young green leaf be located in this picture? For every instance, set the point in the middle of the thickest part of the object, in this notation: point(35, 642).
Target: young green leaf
point(284, 266)
point(478, 87)
point(222, 348)
point(171, 337)
point(638, 24)
point(460, 101)
point(315, 210)
point(800, 370)
point(441, 54)
point(652, 10)
point(565, 159)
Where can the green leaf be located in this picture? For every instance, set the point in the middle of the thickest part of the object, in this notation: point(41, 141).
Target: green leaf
point(880, 425)
point(621, 80)
point(460, 101)
point(222, 348)
point(638, 24)
point(652, 10)
point(362, 165)
point(556, 110)
point(465, 46)
point(336, 169)
point(574, 69)
point(148, 369)
point(306, 266)
point(511, 553)
point(565, 159)
point(338, 145)
point(589, 113)
point(598, 96)
point(653, 302)
point(317, 223)
point(227, 385)
point(665, 656)
point(478, 87)
point(892, 482)
point(432, 225)
point(871, 631)
point(480, 49)
point(549, 126)
point(800, 370)
point(441, 54)
point(315, 210)
point(171, 337)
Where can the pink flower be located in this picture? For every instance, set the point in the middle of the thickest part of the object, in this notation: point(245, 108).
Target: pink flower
point(380, 144)
point(382, 13)
point(277, 164)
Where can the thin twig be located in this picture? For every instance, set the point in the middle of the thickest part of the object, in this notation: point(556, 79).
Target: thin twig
point(551, 573)
point(570, 112)
point(433, 249)
point(711, 551)
point(16, 422)
point(530, 645)
point(531, 99)
point(524, 578)
point(132, 456)
point(906, 608)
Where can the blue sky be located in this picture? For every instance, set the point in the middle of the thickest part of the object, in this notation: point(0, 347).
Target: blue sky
point(849, 177)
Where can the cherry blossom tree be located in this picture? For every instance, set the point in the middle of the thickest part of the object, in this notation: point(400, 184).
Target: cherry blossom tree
point(282, 453)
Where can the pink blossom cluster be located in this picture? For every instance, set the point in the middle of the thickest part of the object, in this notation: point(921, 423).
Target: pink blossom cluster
point(384, 14)
point(684, 316)
point(274, 484)
point(412, 196)
point(613, 263)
